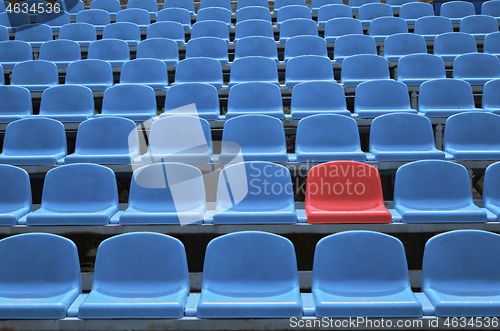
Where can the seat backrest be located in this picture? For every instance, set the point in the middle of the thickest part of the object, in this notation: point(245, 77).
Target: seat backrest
point(122, 30)
point(170, 30)
point(387, 25)
point(144, 71)
point(111, 6)
point(73, 6)
point(476, 65)
point(179, 15)
point(203, 96)
point(282, 3)
point(492, 43)
point(252, 13)
point(67, 99)
point(454, 43)
point(491, 97)
point(159, 48)
point(215, 14)
point(341, 26)
point(433, 25)
point(414, 10)
point(254, 27)
point(199, 70)
point(461, 131)
point(109, 49)
point(149, 5)
point(309, 68)
point(348, 45)
point(15, 51)
point(478, 24)
point(256, 46)
point(490, 8)
point(364, 67)
point(60, 50)
point(241, 4)
point(445, 93)
point(318, 96)
point(210, 29)
point(296, 27)
point(215, 3)
point(254, 69)
point(14, 20)
point(34, 72)
point(358, 3)
point(371, 11)
point(185, 4)
point(293, 11)
point(403, 44)
point(305, 45)
point(138, 16)
point(491, 187)
point(399, 2)
point(53, 18)
point(34, 32)
point(385, 94)
point(381, 267)
point(89, 72)
point(254, 97)
point(123, 98)
point(211, 47)
point(93, 16)
point(17, 192)
point(457, 9)
point(78, 32)
point(328, 12)
point(15, 100)
point(317, 4)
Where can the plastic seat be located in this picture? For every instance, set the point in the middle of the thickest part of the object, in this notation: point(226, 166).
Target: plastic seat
point(350, 277)
point(282, 3)
point(310, 98)
point(138, 16)
point(371, 11)
point(14, 51)
point(463, 141)
point(414, 10)
point(450, 45)
point(67, 103)
point(352, 45)
point(492, 44)
point(491, 97)
point(253, 138)
point(14, 20)
point(73, 7)
point(253, 13)
point(36, 76)
point(114, 51)
point(83, 33)
point(159, 48)
point(179, 15)
point(491, 9)
point(414, 69)
point(197, 99)
point(150, 5)
point(308, 68)
point(54, 20)
point(169, 30)
point(328, 137)
point(41, 276)
point(16, 103)
point(317, 4)
point(185, 139)
point(99, 18)
point(457, 278)
point(214, 14)
point(199, 70)
point(189, 5)
point(291, 12)
point(138, 275)
point(491, 195)
point(133, 101)
point(355, 4)
point(476, 68)
point(126, 31)
point(77, 194)
point(338, 27)
point(4, 33)
point(401, 44)
point(403, 137)
point(444, 197)
point(61, 52)
point(305, 45)
point(242, 4)
point(253, 69)
point(456, 10)
point(478, 25)
point(253, 28)
point(430, 27)
point(95, 74)
point(35, 34)
point(363, 67)
point(445, 97)
point(215, 3)
point(150, 72)
point(250, 275)
point(211, 47)
point(111, 6)
point(345, 192)
point(328, 12)
point(105, 140)
point(255, 193)
point(382, 27)
point(216, 29)
point(255, 46)
point(396, 4)
point(297, 27)
point(16, 200)
point(34, 141)
point(255, 98)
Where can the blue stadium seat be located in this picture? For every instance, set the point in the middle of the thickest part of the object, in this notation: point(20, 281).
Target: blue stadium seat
point(126, 31)
point(305, 45)
point(458, 278)
point(310, 98)
point(349, 45)
point(414, 10)
point(4, 33)
point(491, 97)
point(185, 4)
point(83, 33)
point(73, 7)
point(34, 141)
point(463, 141)
point(403, 137)
point(491, 8)
point(350, 277)
point(36, 76)
point(491, 194)
point(355, 4)
point(165, 193)
point(61, 52)
point(67, 103)
point(414, 69)
point(133, 101)
point(185, 139)
point(14, 20)
point(255, 193)
point(179, 15)
point(40, 276)
point(137, 16)
point(253, 138)
point(328, 137)
point(317, 4)
point(255, 46)
point(476, 68)
point(308, 68)
point(181, 97)
point(371, 11)
point(150, 5)
point(241, 4)
point(291, 12)
point(106, 140)
point(253, 69)
point(444, 197)
point(16, 103)
point(253, 13)
point(255, 98)
point(214, 14)
point(95, 74)
point(492, 44)
point(451, 44)
point(396, 4)
point(262, 270)
point(359, 68)
point(150, 72)
point(329, 12)
point(77, 194)
point(99, 18)
point(252, 28)
point(114, 51)
point(169, 30)
point(16, 198)
point(54, 20)
point(378, 97)
point(215, 3)
point(35, 34)
point(478, 25)
point(111, 6)
point(445, 97)
point(381, 27)
point(297, 27)
point(456, 10)
point(401, 44)
point(282, 3)
point(199, 70)
point(338, 27)
point(162, 49)
point(14, 51)
point(210, 29)
point(211, 47)
point(138, 275)
point(430, 27)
